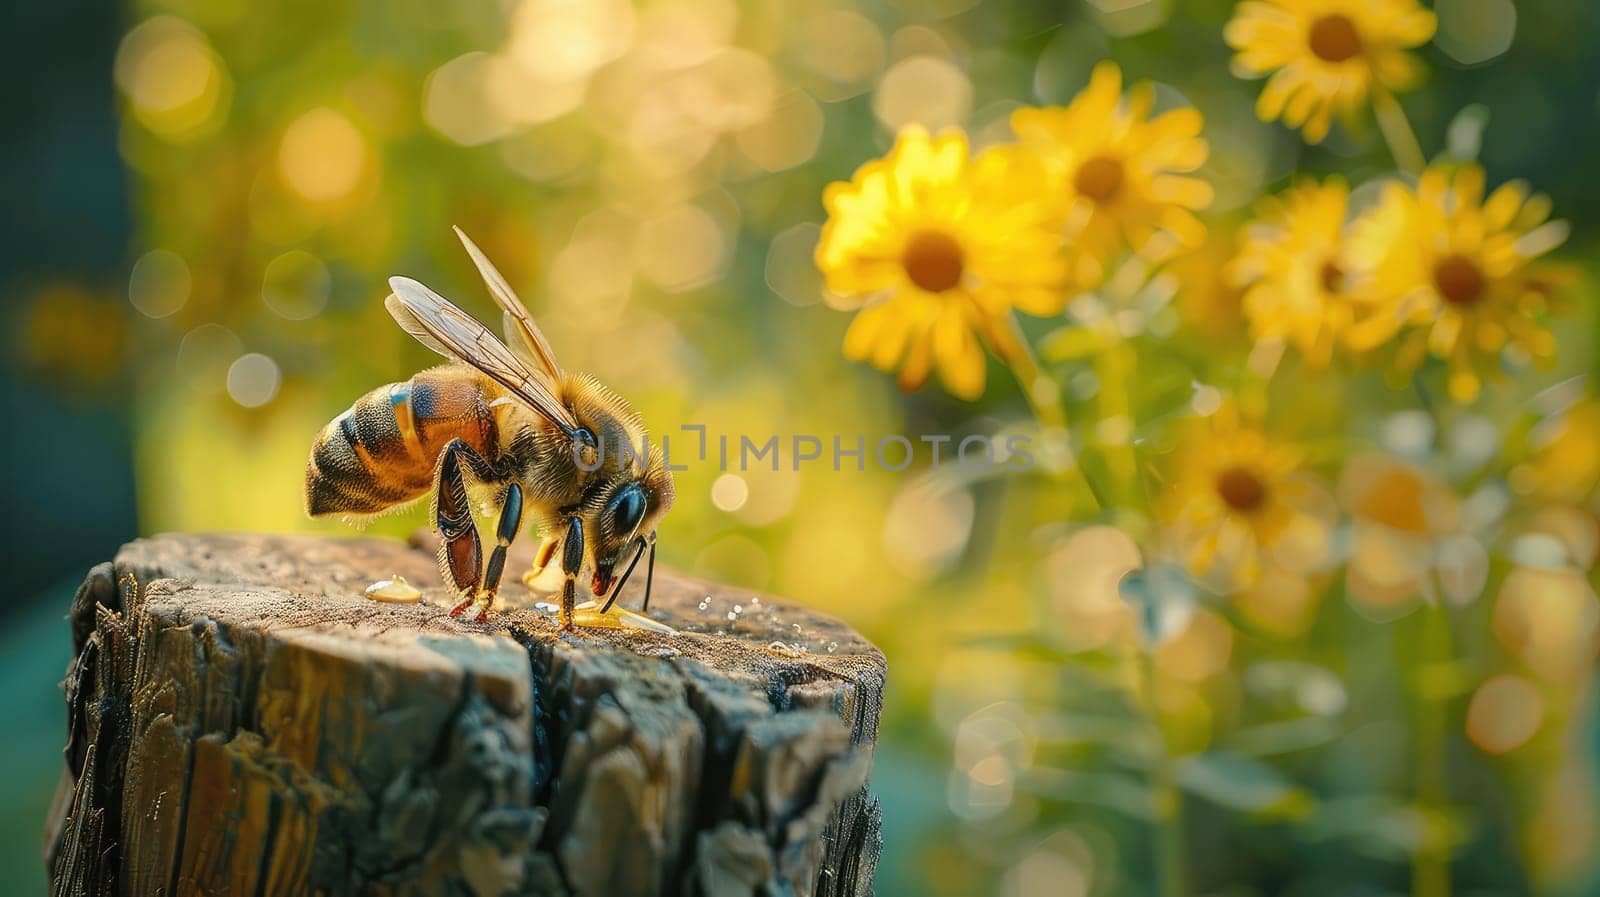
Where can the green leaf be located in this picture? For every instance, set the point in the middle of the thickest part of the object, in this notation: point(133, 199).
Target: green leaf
point(1026, 646)
point(1387, 828)
point(1464, 136)
point(1240, 783)
point(1284, 736)
point(1123, 794)
point(1070, 344)
point(1129, 734)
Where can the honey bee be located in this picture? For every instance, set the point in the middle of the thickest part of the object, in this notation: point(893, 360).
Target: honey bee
point(506, 427)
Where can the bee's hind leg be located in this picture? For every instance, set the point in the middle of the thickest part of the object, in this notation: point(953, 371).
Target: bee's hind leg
point(460, 552)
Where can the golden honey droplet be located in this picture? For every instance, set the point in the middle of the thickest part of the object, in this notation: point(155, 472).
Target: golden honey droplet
point(784, 649)
point(393, 591)
point(587, 614)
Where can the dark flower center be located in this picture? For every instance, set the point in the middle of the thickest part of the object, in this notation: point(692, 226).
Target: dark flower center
point(1099, 179)
point(1458, 280)
point(1334, 38)
point(1241, 489)
point(933, 260)
point(1332, 277)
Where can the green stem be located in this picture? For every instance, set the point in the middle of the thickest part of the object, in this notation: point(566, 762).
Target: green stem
point(1043, 395)
point(1396, 128)
point(1430, 864)
point(1114, 366)
point(1165, 795)
point(1424, 398)
point(1169, 832)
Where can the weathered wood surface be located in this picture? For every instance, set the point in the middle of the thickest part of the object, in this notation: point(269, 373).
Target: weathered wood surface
point(244, 721)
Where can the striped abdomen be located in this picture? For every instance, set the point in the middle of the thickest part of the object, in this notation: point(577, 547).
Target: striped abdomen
point(383, 450)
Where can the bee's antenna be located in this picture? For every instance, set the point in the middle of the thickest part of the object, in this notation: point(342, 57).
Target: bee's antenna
point(624, 580)
point(650, 573)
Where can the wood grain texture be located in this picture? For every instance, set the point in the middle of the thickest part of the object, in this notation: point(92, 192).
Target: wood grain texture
point(243, 721)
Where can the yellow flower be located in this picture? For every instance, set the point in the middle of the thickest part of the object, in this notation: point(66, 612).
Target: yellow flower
point(1301, 282)
point(1565, 462)
point(1118, 175)
point(936, 248)
point(1237, 503)
point(1408, 539)
point(1208, 298)
point(1547, 613)
point(1326, 56)
point(1453, 271)
point(1281, 602)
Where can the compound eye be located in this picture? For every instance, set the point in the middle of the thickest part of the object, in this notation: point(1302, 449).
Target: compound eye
point(627, 508)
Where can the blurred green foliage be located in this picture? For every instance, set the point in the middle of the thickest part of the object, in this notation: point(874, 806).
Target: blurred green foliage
point(648, 177)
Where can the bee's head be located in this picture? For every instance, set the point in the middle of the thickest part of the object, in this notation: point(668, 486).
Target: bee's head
point(631, 488)
point(624, 516)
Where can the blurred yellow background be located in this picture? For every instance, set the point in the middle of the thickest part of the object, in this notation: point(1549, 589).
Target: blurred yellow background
point(649, 176)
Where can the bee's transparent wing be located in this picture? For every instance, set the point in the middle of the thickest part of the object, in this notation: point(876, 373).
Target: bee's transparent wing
point(446, 329)
point(519, 326)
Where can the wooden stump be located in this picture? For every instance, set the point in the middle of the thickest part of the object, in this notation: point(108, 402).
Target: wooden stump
point(243, 720)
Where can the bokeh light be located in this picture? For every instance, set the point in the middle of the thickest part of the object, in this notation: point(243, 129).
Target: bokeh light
point(1550, 619)
point(926, 90)
point(1125, 18)
point(253, 380)
point(176, 83)
point(204, 355)
point(729, 492)
point(991, 746)
point(844, 49)
point(1473, 32)
point(159, 283)
point(322, 156)
point(787, 136)
point(681, 248)
point(790, 271)
point(296, 285)
point(1062, 865)
point(1505, 712)
point(562, 41)
point(927, 526)
point(1199, 651)
point(1084, 575)
point(457, 101)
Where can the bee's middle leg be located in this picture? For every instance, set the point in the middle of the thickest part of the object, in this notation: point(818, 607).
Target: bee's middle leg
point(505, 532)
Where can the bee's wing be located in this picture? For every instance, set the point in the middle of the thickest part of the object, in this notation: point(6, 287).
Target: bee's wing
point(453, 333)
point(517, 319)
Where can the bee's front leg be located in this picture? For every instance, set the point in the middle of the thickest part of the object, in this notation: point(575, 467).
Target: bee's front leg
point(571, 562)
